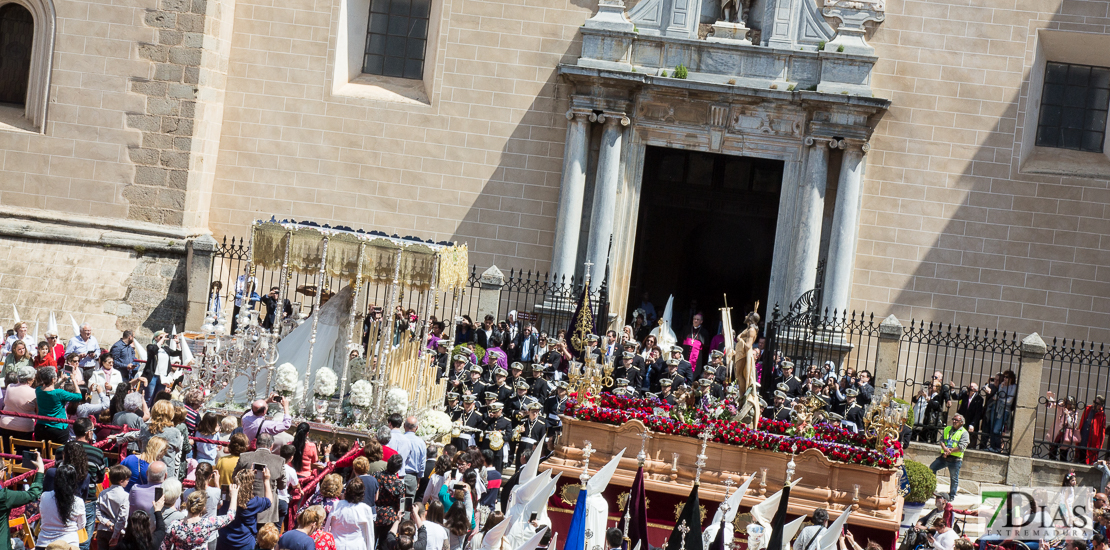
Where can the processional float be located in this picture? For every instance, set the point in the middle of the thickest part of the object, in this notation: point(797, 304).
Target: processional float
point(243, 366)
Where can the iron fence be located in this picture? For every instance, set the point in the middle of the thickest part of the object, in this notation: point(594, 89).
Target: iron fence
point(819, 343)
point(947, 369)
point(545, 300)
point(1074, 374)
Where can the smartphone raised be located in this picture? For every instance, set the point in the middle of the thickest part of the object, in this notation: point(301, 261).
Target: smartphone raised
point(29, 459)
point(533, 517)
point(158, 494)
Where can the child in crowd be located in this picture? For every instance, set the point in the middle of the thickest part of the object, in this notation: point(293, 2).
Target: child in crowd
point(44, 358)
point(228, 425)
point(208, 428)
point(287, 452)
point(112, 508)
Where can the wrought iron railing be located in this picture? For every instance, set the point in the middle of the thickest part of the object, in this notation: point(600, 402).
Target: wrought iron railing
point(938, 363)
point(819, 343)
point(543, 299)
point(1074, 374)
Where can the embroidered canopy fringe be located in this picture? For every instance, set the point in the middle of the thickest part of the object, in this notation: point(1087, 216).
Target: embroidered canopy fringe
point(419, 261)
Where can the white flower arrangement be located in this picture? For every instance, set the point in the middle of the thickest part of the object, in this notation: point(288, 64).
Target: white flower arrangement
point(286, 380)
point(362, 393)
point(326, 382)
point(396, 401)
point(434, 423)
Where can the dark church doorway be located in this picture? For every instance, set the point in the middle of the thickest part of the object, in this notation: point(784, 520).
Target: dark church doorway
point(17, 30)
point(706, 228)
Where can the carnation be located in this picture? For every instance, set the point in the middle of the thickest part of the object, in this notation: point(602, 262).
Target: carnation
point(396, 401)
point(434, 423)
point(287, 381)
point(326, 382)
point(362, 393)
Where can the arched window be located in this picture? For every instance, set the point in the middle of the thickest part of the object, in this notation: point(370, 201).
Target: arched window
point(17, 32)
point(27, 30)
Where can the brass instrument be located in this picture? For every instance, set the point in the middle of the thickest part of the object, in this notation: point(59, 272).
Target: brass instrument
point(496, 440)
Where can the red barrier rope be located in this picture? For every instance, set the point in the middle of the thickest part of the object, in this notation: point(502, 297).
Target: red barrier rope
point(310, 483)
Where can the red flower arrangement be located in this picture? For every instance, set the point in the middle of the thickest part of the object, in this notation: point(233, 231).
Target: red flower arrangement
point(837, 444)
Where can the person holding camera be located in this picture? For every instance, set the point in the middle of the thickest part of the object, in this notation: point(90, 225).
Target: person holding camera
point(256, 422)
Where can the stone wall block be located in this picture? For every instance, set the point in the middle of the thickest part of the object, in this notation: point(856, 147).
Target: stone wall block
point(154, 52)
point(188, 109)
point(175, 159)
point(190, 22)
point(178, 179)
point(143, 156)
point(173, 199)
point(170, 37)
point(183, 143)
point(184, 127)
point(157, 141)
point(175, 5)
point(162, 106)
point(145, 123)
point(185, 56)
point(168, 72)
point(200, 7)
point(160, 19)
point(192, 75)
point(193, 40)
point(169, 124)
point(146, 87)
point(183, 91)
point(149, 175)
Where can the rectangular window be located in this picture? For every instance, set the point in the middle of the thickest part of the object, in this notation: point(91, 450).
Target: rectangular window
point(1073, 107)
point(397, 37)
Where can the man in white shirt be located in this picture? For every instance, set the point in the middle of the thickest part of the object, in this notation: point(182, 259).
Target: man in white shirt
point(403, 445)
point(20, 329)
point(87, 347)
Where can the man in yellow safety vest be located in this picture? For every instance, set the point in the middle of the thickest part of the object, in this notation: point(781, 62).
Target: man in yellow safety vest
point(953, 442)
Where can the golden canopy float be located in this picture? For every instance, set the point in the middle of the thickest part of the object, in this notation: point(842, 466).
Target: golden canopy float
point(320, 347)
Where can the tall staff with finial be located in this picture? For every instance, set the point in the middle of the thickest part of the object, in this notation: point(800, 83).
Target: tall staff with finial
point(729, 336)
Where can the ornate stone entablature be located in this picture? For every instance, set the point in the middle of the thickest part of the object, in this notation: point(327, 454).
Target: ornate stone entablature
point(798, 49)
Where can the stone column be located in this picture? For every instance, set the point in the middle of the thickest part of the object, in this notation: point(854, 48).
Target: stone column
point(489, 294)
point(605, 195)
point(845, 227)
point(886, 356)
point(1020, 468)
point(564, 256)
point(809, 207)
point(199, 254)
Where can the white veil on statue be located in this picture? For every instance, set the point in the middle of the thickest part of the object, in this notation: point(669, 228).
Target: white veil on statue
point(330, 348)
point(664, 335)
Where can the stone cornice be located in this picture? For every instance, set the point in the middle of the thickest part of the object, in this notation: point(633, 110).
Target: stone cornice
point(585, 77)
point(89, 230)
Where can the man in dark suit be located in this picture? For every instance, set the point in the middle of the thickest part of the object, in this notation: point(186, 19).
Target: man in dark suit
point(271, 302)
point(526, 346)
point(972, 405)
point(275, 464)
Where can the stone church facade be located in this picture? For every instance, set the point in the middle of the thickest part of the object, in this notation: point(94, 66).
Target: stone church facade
point(939, 160)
